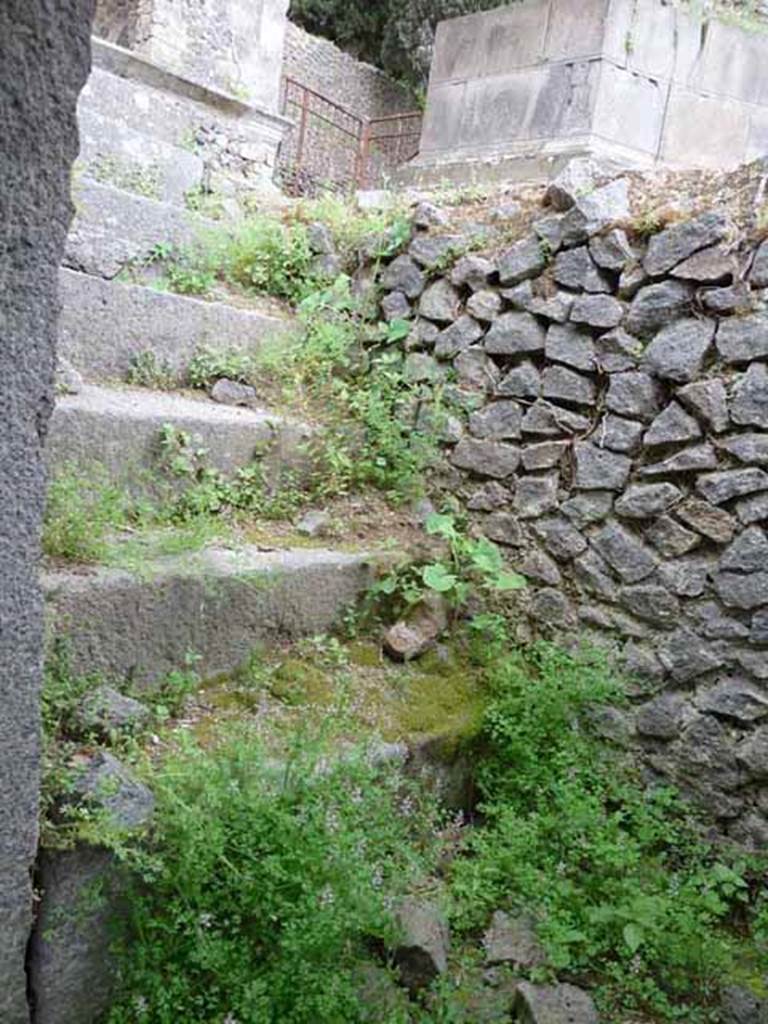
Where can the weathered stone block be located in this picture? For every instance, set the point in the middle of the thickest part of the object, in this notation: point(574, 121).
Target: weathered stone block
point(599, 311)
point(486, 458)
point(524, 260)
point(569, 345)
point(498, 421)
point(634, 394)
point(440, 302)
point(732, 483)
point(643, 501)
point(515, 334)
point(742, 339)
point(708, 400)
point(749, 405)
point(523, 381)
point(678, 351)
point(625, 554)
point(560, 538)
point(598, 469)
point(536, 495)
point(656, 305)
point(672, 426)
point(678, 242)
point(562, 384)
point(713, 523)
point(457, 337)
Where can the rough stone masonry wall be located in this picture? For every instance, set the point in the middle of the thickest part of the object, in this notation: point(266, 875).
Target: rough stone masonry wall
point(607, 423)
point(44, 56)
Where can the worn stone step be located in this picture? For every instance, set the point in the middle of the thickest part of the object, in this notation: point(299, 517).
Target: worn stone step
point(117, 154)
point(104, 324)
point(120, 430)
point(113, 228)
point(217, 604)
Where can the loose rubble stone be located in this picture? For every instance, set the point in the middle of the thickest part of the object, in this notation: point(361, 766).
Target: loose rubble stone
point(560, 538)
point(596, 210)
point(744, 338)
point(406, 641)
point(686, 656)
point(320, 239)
point(748, 553)
point(563, 384)
point(575, 179)
point(686, 577)
point(552, 421)
point(708, 400)
point(710, 522)
point(749, 405)
point(634, 394)
point(612, 250)
point(550, 231)
point(486, 458)
point(524, 260)
point(457, 337)
point(515, 334)
point(753, 753)
point(430, 251)
point(576, 269)
point(512, 940)
point(519, 297)
point(473, 272)
point(671, 426)
point(232, 392)
point(536, 495)
point(618, 434)
point(642, 501)
point(697, 459)
point(503, 528)
point(599, 311)
point(710, 266)
point(498, 421)
point(749, 448)
point(588, 507)
point(484, 305)
point(422, 953)
point(632, 279)
point(706, 762)
point(106, 782)
point(678, 351)
point(313, 523)
point(641, 664)
point(440, 302)
point(734, 698)
point(403, 275)
point(557, 307)
point(670, 538)
point(652, 604)
point(419, 367)
point(752, 510)
point(540, 567)
point(427, 215)
point(662, 717)
point(106, 710)
point(544, 455)
point(625, 554)
point(736, 298)
point(731, 483)
point(598, 469)
point(758, 274)
point(742, 591)
point(567, 344)
point(739, 1006)
point(521, 382)
point(676, 243)
point(489, 497)
point(617, 351)
point(656, 305)
point(68, 380)
point(592, 573)
point(475, 369)
point(550, 606)
point(395, 306)
point(716, 624)
point(554, 1004)
point(758, 634)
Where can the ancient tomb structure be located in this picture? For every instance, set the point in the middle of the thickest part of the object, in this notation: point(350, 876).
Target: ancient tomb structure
point(515, 92)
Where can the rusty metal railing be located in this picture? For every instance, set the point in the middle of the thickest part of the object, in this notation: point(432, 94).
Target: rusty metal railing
point(331, 146)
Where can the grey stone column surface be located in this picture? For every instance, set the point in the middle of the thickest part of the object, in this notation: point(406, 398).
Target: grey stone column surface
point(44, 62)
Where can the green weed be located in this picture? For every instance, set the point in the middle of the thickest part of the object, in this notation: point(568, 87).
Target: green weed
point(81, 511)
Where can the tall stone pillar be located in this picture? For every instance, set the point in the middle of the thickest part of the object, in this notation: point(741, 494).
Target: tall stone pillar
point(44, 61)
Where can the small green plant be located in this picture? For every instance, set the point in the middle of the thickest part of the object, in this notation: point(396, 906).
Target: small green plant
point(147, 371)
point(81, 511)
point(143, 179)
point(264, 255)
point(209, 365)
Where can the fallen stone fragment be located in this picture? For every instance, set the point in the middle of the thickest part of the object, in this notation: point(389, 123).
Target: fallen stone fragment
point(678, 351)
point(313, 523)
point(107, 783)
point(232, 392)
point(68, 380)
point(512, 940)
point(676, 243)
point(554, 1004)
point(671, 426)
point(106, 711)
point(421, 954)
point(406, 641)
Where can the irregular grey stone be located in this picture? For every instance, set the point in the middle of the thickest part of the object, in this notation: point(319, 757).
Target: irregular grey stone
point(524, 260)
point(599, 311)
point(430, 251)
point(731, 483)
point(420, 367)
point(489, 497)
point(743, 338)
point(592, 573)
point(625, 554)
point(567, 344)
point(552, 421)
point(589, 507)
point(600, 470)
point(662, 717)
point(753, 753)
point(748, 553)
point(421, 954)
point(716, 624)
point(553, 1004)
point(106, 711)
point(557, 307)
point(686, 577)
point(595, 210)
point(486, 458)
point(714, 523)
point(440, 302)
point(758, 634)
point(643, 669)
point(686, 656)
point(427, 215)
point(403, 275)
point(498, 421)
point(670, 538)
point(515, 334)
point(550, 231)
point(320, 238)
point(107, 783)
point(476, 370)
point(485, 305)
point(643, 501)
point(544, 455)
point(68, 380)
point(395, 306)
point(697, 459)
point(551, 607)
point(618, 434)
point(512, 940)
point(672, 425)
point(632, 279)
point(457, 337)
point(634, 394)
point(540, 567)
point(472, 271)
point(378, 994)
point(423, 335)
point(519, 297)
point(536, 495)
point(521, 382)
point(740, 1006)
point(705, 759)
point(736, 298)
point(328, 265)
point(752, 510)
point(734, 698)
point(708, 400)
point(612, 250)
point(678, 351)
point(742, 591)
point(752, 661)
point(749, 448)
point(563, 384)
point(749, 404)
point(617, 351)
point(758, 274)
point(313, 523)
point(657, 305)
point(503, 528)
point(652, 604)
point(709, 266)
point(562, 540)
point(576, 269)
point(679, 241)
point(574, 180)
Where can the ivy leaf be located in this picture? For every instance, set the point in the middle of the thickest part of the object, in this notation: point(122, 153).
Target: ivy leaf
point(397, 330)
point(486, 557)
point(438, 578)
point(510, 581)
point(633, 936)
point(443, 526)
